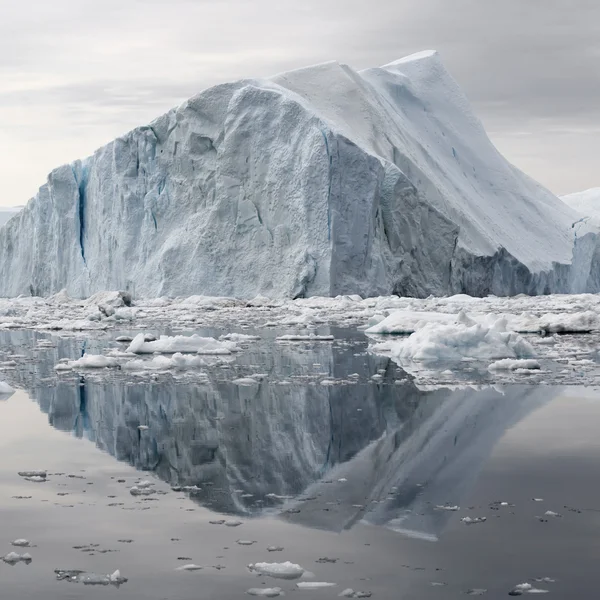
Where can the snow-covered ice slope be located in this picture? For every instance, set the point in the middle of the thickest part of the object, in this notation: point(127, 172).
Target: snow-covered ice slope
point(587, 203)
point(321, 181)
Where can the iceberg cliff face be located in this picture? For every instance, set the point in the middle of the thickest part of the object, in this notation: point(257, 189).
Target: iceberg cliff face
point(321, 181)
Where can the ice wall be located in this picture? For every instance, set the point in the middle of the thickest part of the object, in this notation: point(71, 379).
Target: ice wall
point(321, 181)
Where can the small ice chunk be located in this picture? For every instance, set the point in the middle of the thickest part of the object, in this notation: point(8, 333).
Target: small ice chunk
point(145, 484)
point(43, 474)
point(232, 523)
point(245, 542)
point(36, 479)
point(21, 543)
point(12, 558)
point(473, 520)
point(448, 508)
point(141, 491)
point(476, 592)
point(265, 592)
point(143, 427)
point(508, 364)
point(284, 570)
point(275, 548)
point(314, 585)
point(551, 513)
point(305, 338)
point(190, 567)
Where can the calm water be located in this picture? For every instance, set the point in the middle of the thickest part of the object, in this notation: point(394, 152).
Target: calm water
point(351, 472)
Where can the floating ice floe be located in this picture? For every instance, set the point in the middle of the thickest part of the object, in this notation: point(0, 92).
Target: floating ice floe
point(265, 592)
point(314, 585)
point(88, 361)
point(29, 474)
point(77, 576)
point(12, 558)
point(473, 520)
point(21, 543)
point(509, 364)
point(305, 338)
point(465, 339)
point(239, 337)
point(350, 593)
point(284, 570)
point(525, 588)
point(181, 343)
point(190, 567)
point(177, 362)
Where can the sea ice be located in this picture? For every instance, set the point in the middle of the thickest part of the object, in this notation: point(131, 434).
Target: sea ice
point(284, 570)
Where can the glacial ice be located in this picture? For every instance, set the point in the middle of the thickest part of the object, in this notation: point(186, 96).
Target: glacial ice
point(284, 570)
point(454, 342)
point(181, 343)
point(320, 181)
point(587, 203)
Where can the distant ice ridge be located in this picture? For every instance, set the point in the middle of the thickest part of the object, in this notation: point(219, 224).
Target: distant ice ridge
point(321, 181)
point(587, 203)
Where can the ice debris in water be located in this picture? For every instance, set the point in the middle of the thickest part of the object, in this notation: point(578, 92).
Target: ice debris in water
point(275, 548)
point(350, 593)
point(88, 361)
point(12, 558)
point(476, 592)
point(314, 585)
point(181, 343)
point(190, 567)
point(245, 542)
point(522, 364)
point(551, 513)
point(452, 342)
point(284, 570)
point(448, 508)
point(232, 523)
point(143, 427)
point(525, 588)
point(29, 474)
point(473, 520)
point(265, 592)
point(305, 338)
point(77, 576)
point(21, 543)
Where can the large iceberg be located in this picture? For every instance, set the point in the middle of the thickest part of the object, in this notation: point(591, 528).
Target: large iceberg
point(320, 181)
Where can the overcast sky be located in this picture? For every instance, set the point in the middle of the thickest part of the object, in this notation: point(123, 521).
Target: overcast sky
point(74, 74)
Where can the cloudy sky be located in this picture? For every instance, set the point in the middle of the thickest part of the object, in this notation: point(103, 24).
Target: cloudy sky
point(76, 73)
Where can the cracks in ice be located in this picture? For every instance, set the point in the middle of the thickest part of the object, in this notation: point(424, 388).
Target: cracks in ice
point(81, 207)
point(329, 187)
point(581, 221)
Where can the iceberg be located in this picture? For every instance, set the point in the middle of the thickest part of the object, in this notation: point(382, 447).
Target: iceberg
point(322, 181)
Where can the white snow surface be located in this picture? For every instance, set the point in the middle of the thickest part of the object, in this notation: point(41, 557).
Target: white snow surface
point(316, 182)
point(587, 203)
